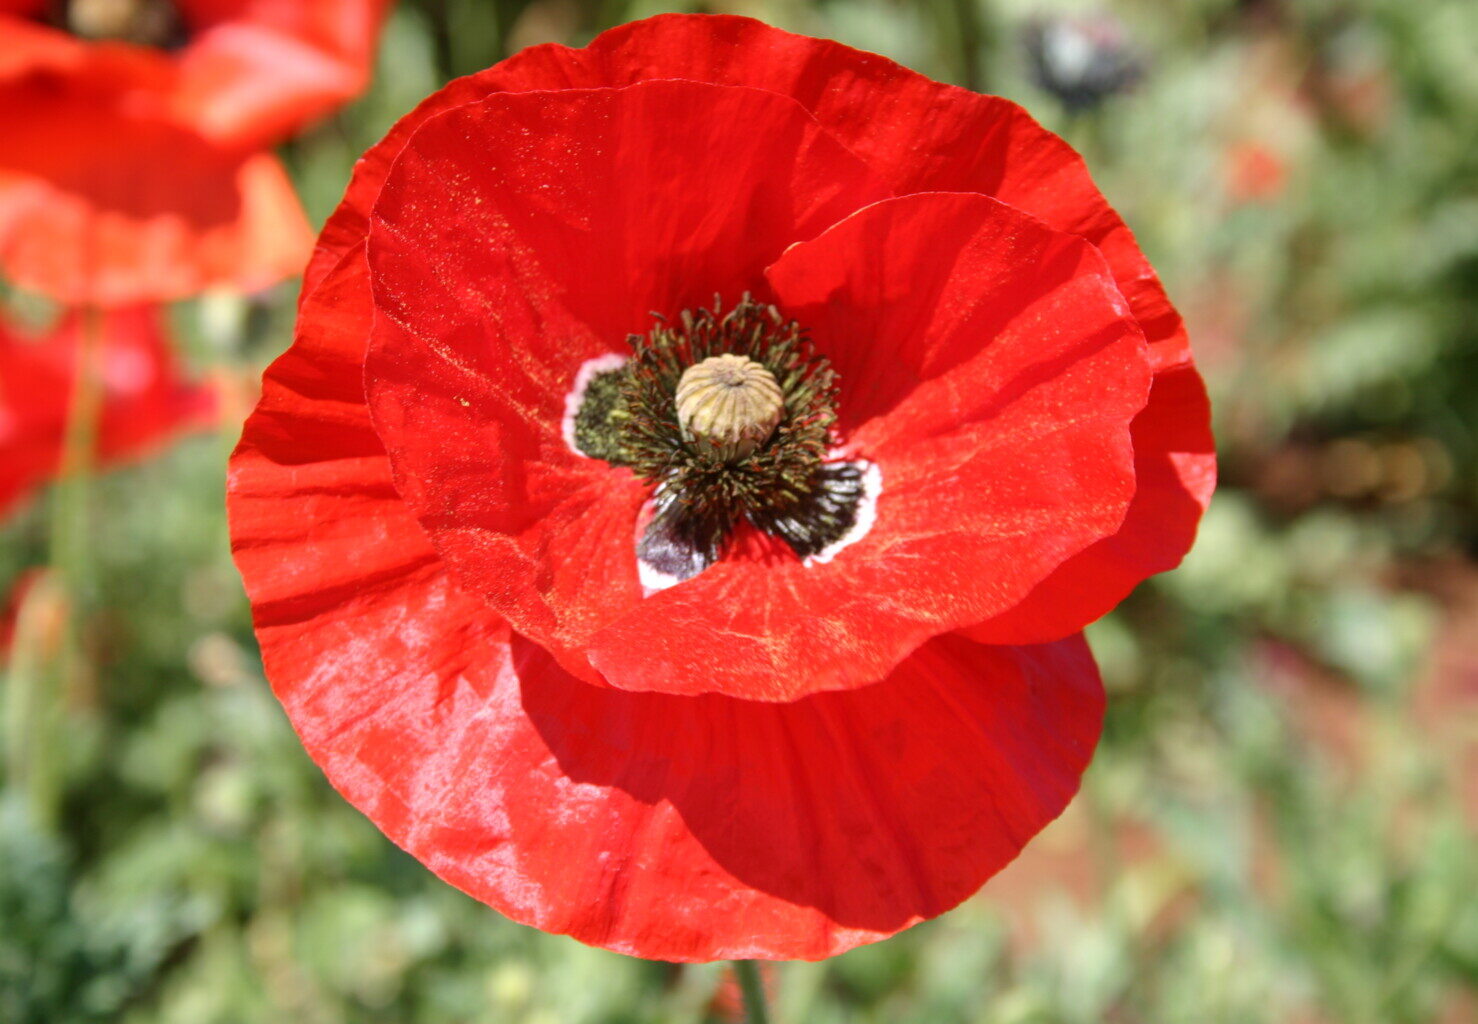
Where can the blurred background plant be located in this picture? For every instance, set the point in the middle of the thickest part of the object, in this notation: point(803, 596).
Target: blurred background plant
point(1278, 826)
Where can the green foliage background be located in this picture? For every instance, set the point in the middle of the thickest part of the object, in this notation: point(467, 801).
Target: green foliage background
point(1279, 824)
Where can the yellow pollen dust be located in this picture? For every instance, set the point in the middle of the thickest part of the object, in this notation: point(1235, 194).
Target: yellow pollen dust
point(728, 406)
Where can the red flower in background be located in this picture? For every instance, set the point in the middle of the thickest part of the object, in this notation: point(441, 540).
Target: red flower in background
point(682, 690)
point(144, 401)
point(1255, 173)
point(134, 165)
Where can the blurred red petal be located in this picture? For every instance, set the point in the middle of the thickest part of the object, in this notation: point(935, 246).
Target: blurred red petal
point(256, 70)
point(574, 214)
point(97, 209)
point(27, 46)
point(981, 327)
point(144, 400)
point(131, 173)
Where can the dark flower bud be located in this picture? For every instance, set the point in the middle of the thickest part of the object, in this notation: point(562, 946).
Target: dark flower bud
point(1081, 61)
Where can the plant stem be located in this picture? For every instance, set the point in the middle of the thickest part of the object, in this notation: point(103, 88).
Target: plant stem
point(71, 511)
point(969, 37)
point(29, 707)
point(966, 30)
point(748, 973)
point(43, 682)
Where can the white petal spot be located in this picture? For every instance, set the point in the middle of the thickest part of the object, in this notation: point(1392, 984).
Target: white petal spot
point(653, 579)
point(588, 371)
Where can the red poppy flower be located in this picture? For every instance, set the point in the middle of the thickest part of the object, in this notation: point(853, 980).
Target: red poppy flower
point(747, 630)
point(134, 165)
point(144, 400)
point(1255, 173)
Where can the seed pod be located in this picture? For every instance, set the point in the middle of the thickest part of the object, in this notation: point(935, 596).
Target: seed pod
point(142, 22)
point(728, 406)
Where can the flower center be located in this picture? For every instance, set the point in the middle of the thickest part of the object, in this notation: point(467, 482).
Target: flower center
point(142, 22)
point(727, 406)
point(729, 416)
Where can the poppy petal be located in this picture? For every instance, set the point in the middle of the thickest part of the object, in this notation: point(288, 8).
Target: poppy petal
point(137, 173)
point(86, 217)
point(574, 214)
point(27, 46)
point(144, 400)
point(309, 451)
point(1173, 487)
point(256, 72)
point(687, 828)
point(348, 226)
point(922, 136)
point(960, 330)
point(680, 828)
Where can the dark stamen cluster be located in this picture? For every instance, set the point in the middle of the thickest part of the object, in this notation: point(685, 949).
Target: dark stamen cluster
point(629, 417)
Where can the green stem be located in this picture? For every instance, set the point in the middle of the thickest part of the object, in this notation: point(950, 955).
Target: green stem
point(969, 37)
point(27, 710)
point(42, 681)
point(71, 511)
point(35, 751)
point(966, 28)
point(748, 973)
